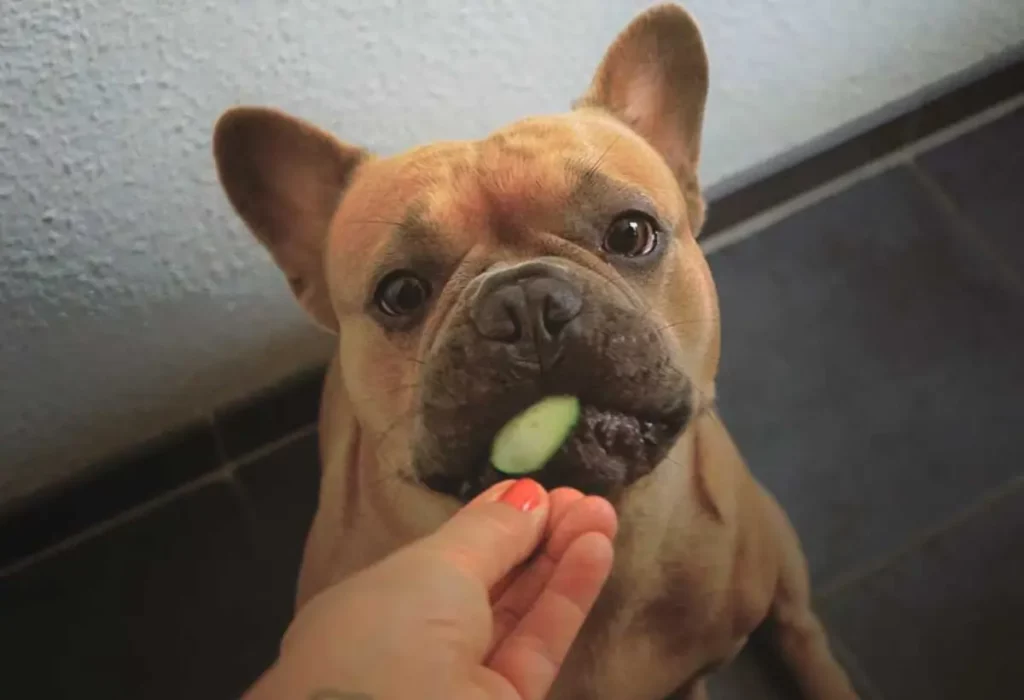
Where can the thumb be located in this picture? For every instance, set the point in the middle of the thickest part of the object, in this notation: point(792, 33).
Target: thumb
point(495, 533)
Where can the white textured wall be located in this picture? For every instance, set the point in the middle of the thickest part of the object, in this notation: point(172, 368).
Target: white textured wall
point(133, 301)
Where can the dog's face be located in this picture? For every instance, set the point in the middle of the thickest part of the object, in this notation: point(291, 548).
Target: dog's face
point(467, 280)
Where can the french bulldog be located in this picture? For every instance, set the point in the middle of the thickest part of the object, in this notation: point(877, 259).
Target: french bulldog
point(465, 281)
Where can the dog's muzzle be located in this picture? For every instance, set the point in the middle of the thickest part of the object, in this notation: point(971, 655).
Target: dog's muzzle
point(537, 329)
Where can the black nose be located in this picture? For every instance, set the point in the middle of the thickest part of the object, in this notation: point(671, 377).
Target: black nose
point(529, 308)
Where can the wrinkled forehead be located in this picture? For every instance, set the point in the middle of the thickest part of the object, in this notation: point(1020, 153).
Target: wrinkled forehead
point(518, 179)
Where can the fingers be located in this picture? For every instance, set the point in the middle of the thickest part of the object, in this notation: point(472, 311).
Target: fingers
point(520, 595)
point(588, 514)
point(546, 601)
point(495, 533)
point(530, 656)
point(560, 501)
point(572, 515)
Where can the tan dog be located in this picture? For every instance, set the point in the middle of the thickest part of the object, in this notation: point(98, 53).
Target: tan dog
point(558, 255)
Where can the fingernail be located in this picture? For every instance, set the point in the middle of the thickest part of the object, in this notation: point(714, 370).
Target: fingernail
point(524, 495)
point(494, 493)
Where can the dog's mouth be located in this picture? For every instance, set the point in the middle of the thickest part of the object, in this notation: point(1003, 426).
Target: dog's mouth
point(606, 452)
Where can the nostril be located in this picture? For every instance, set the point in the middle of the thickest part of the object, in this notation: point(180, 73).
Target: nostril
point(511, 328)
point(560, 307)
point(555, 317)
point(498, 316)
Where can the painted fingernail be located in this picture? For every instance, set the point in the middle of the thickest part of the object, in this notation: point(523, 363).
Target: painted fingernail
point(524, 495)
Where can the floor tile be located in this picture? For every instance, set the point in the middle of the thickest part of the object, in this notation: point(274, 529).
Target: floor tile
point(168, 606)
point(944, 622)
point(282, 492)
point(749, 676)
point(871, 368)
point(759, 672)
point(108, 490)
point(272, 415)
point(983, 173)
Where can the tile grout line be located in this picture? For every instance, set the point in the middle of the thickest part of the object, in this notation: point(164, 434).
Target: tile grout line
point(218, 440)
point(224, 474)
point(760, 222)
point(964, 225)
point(922, 537)
point(233, 465)
point(858, 676)
point(125, 516)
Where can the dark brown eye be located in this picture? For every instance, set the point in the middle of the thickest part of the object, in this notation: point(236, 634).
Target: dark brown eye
point(401, 293)
point(632, 235)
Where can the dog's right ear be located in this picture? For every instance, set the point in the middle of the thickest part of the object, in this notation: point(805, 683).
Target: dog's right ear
point(285, 179)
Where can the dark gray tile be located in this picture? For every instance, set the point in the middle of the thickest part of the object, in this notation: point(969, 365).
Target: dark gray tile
point(282, 491)
point(871, 368)
point(749, 676)
point(168, 606)
point(107, 490)
point(759, 672)
point(270, 415)
point(945, 621)
point(983, 172)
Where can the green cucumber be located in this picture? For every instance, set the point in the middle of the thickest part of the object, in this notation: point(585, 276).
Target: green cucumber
point(528, 441)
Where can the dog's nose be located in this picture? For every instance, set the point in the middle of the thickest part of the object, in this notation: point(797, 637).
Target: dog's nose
point(529, 307)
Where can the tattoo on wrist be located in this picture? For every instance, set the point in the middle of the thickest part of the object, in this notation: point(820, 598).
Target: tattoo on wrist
point(332, 694)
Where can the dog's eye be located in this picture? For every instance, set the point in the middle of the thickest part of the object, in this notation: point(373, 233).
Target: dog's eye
point(401, 293)
point(632, 235)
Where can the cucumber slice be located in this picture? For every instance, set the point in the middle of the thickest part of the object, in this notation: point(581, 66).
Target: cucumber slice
point(528, 441)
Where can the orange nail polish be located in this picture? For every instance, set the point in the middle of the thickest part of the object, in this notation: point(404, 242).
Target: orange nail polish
point(524, 495)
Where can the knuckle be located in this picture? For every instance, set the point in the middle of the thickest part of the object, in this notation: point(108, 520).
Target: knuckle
point(530, 645)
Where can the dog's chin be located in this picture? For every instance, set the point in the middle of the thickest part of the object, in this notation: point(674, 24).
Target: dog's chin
point(607, 452)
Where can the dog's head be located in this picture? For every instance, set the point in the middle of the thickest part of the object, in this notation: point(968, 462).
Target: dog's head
point(467, 280)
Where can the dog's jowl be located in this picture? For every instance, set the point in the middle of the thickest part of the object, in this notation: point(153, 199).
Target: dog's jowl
point(466, 280)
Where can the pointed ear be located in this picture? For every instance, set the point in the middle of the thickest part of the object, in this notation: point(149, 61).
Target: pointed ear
point(654, 77)
point(285, 179)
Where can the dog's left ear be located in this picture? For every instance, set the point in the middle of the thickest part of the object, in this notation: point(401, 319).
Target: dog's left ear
point(654, 77)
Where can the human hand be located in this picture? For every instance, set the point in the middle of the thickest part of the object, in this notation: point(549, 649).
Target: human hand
point(485, 608)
